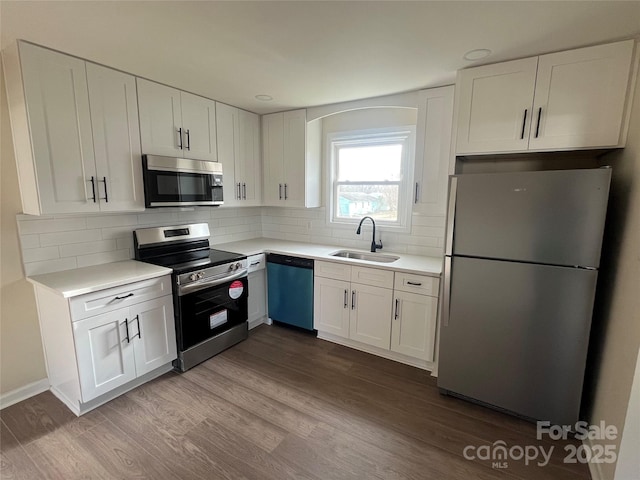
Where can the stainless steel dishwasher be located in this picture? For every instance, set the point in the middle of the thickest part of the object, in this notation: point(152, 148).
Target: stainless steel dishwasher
point(290, 290)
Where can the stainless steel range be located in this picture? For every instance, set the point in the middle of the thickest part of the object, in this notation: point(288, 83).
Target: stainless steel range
point(210, 289)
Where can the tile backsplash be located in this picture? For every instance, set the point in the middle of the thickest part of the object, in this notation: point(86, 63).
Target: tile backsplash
point(55, 243)
point(310, 226)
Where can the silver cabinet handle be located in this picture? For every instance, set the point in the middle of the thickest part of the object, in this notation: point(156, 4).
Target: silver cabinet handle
point(239, 194)
point(353, 299)
point(244, 191)
point(345, 297)
point(180, 138)
point(188, 139)
point(415, 284)
point(280, 191)
point(285, 191)
point(415, 199)
point(395, 316)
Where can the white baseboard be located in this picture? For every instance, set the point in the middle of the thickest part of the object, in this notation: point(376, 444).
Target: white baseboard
point(22, 393)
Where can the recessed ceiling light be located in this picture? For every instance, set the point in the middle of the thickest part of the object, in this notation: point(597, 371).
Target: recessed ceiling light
point(477, 54)
point(264, 98)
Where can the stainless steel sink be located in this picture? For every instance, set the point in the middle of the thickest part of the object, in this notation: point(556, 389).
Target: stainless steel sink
point(369, 257)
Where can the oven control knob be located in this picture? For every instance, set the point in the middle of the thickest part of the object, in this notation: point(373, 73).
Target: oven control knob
point(200, 275)
point(232, 266)
point(193, 277)
point(238, 266)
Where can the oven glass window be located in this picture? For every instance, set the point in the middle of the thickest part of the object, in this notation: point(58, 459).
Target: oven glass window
point(209, 312)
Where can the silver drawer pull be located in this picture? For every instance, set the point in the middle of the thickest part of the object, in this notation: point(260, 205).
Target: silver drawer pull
point(255, 263)
point(415, 284)
point(122, 298)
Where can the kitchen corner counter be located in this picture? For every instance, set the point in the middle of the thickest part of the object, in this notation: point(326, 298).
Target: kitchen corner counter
point(71, 283)
point(406, 263)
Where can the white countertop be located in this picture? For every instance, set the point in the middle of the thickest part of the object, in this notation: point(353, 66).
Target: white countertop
point(70, 283)
point(406, 263)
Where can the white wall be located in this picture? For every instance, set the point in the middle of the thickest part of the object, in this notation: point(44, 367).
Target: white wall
point(616, 329)
point(21, 356)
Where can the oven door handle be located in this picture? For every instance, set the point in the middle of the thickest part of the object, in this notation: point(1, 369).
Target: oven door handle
point(207, 283)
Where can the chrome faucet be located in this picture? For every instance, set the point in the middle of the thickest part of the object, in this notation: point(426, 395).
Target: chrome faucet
point(374, 245)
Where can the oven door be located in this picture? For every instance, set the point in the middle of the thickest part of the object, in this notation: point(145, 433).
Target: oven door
point(210, 311)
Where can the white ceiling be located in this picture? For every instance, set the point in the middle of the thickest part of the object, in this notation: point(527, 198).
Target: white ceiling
point(307, 53)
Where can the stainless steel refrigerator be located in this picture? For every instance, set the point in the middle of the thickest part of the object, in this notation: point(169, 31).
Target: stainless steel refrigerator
point(521, 264)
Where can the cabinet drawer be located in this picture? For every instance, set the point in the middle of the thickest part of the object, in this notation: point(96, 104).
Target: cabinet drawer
point(411, 283)
point(372, 276)
point(256, 262)
point(110, 299)
point(337, 271)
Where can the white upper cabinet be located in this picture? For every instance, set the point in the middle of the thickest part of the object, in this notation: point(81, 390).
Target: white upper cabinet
point(51, 125)
point(116, 139)
point(238, 135)
point(561, 101)
point(291, 159)
point(175, 123)
point(580, 97)
point(75, 132)
point(433, 150)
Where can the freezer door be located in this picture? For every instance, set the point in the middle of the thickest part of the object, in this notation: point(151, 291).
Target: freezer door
point(516, 336)
point(553, 217)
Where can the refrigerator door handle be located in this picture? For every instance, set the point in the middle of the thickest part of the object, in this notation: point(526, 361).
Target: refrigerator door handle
point(451, 211)
point(446, 293)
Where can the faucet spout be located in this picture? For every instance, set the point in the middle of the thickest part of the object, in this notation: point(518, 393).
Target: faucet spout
point(374, 245)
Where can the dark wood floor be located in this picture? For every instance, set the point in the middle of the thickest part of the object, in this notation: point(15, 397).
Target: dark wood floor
point(280, 405)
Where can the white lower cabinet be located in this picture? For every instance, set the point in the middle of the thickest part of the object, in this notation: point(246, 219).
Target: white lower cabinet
point(95, 352)
point(413, 329)
point(117, 347)
point(391, 314)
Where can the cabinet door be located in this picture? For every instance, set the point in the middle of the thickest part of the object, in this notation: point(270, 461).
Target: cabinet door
point(248, 162)
point(153, 326)
point(160, 119)
point(413, 329)
point(580, 97)
point(105, 356)
point(494, 107)
point(433, 150)
point(57, 100)
point(294, 157)
point(331, 306)
point(257, 301)
point(227, 128)
point(370, 319)
point(272, 156)
point(116, 139)
point(199, 127)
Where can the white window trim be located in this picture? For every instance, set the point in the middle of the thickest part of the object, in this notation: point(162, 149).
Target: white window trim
point(407, 133)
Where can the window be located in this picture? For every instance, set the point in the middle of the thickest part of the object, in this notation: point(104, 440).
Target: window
point(371, 176)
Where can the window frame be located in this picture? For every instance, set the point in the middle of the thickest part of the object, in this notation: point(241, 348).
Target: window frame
point(404, 134)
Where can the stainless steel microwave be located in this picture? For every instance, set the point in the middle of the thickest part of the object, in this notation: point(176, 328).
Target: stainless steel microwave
point(177, 182)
